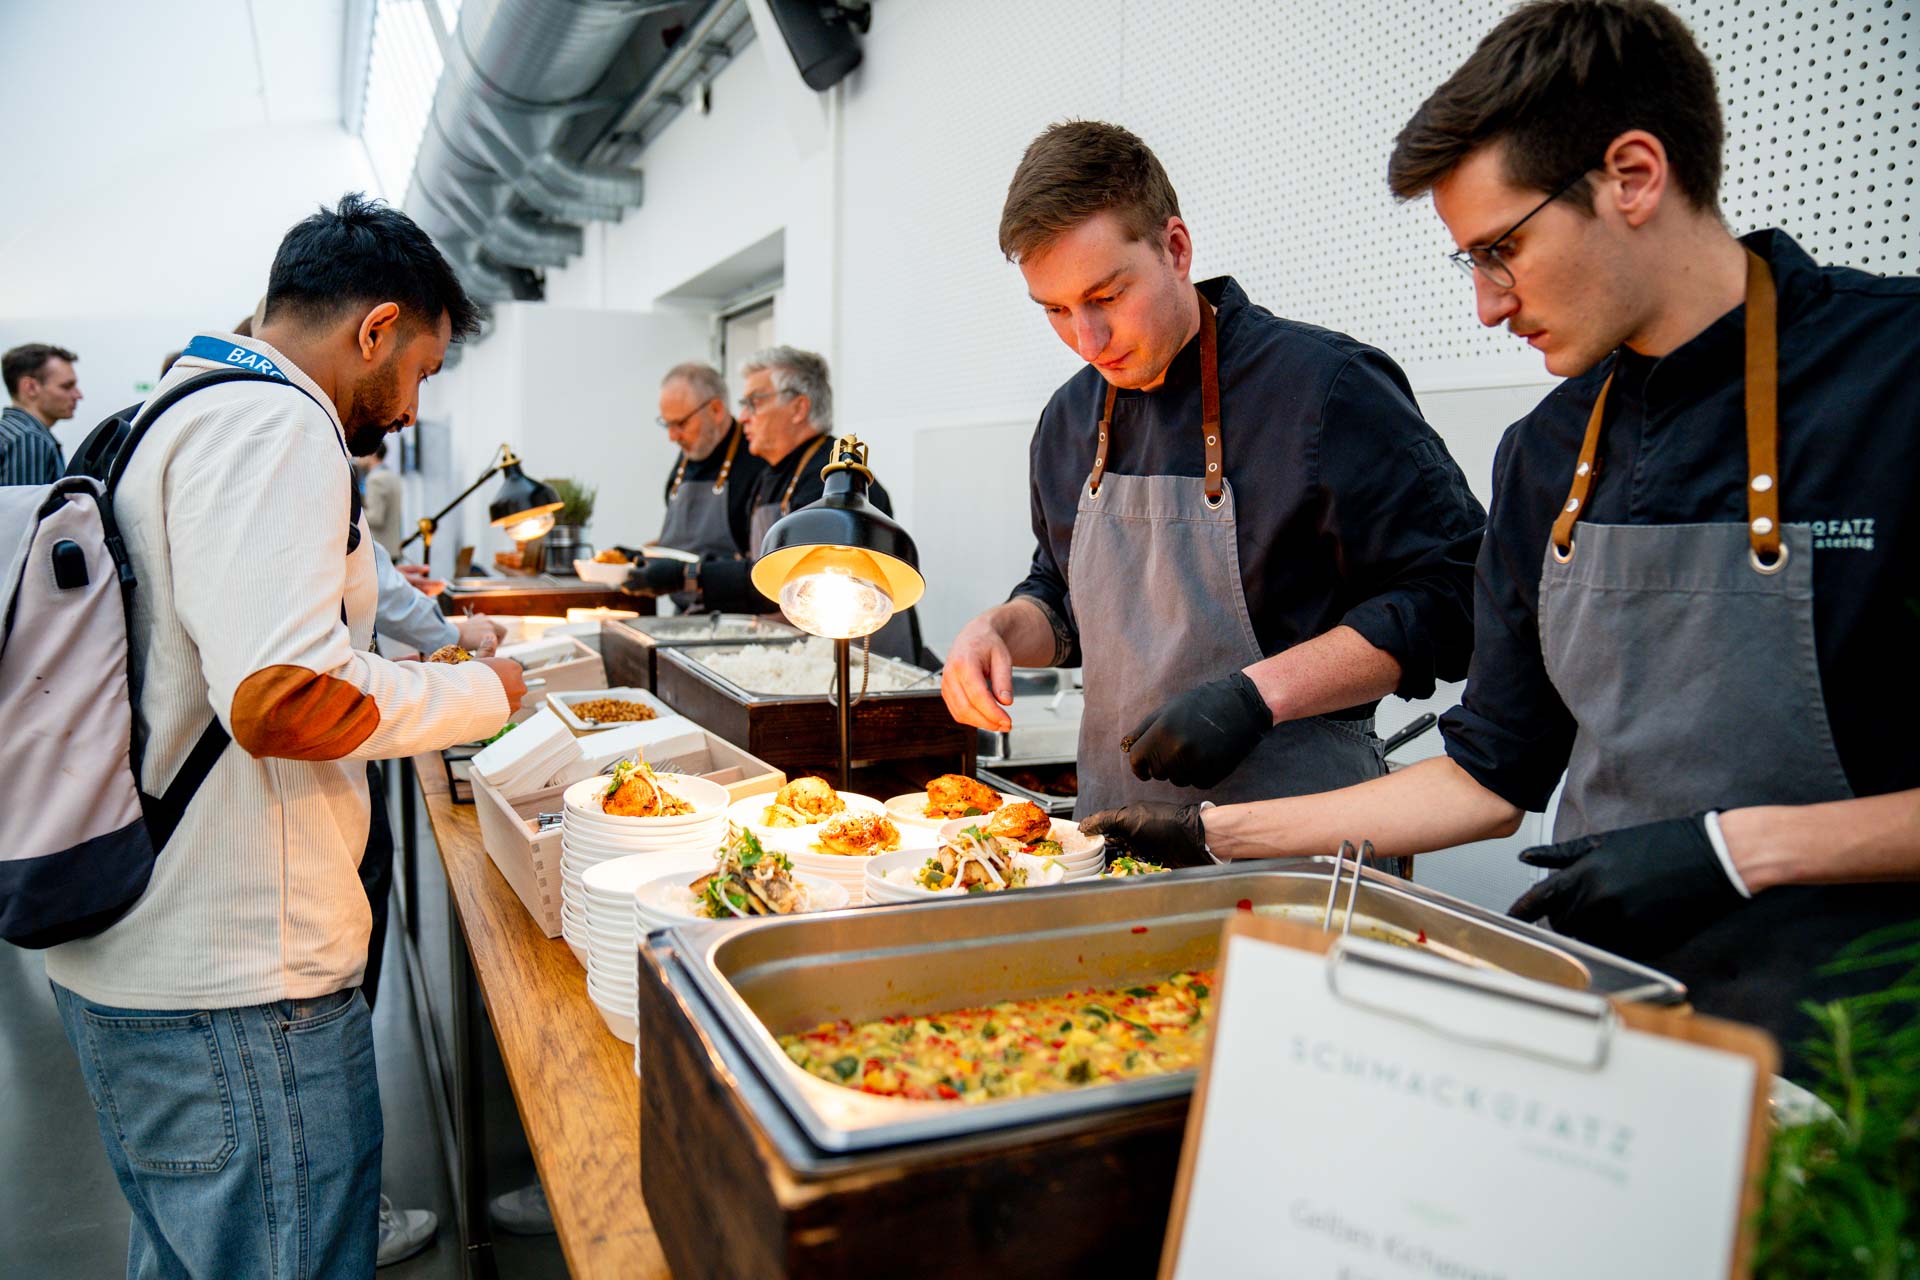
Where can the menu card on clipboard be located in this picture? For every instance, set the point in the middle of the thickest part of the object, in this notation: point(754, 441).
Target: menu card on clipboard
point(1368, 1112)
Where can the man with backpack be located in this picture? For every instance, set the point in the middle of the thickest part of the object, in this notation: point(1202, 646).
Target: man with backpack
point(219, 1023)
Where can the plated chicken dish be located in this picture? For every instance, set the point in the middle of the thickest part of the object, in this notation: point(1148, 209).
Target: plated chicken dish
point(634, 792)
point(858, 835)
point(802, 803)
point(976, 862)
point(953, 795)
point(1016, 1048)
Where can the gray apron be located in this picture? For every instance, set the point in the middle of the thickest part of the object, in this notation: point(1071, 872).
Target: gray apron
point(697, 519)
point(1154, 575)
point(895, 639)
point(1685, 654)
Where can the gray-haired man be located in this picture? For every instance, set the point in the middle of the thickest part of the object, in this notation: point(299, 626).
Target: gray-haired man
point(709, 494)
point(786, 413)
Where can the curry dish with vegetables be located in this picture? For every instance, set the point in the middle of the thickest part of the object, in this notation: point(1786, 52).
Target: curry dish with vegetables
point(1019, 1047)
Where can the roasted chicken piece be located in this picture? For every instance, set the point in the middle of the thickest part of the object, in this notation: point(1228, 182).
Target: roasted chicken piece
point(634, 792)
point(449, 653)
point(612, 555)
point(1022, 822)
point(812, 799)
point(952, 795)
point(859, 835)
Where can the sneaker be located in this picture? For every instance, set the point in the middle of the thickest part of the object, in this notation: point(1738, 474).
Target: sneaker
point(523, 1212)
point(403, 1232)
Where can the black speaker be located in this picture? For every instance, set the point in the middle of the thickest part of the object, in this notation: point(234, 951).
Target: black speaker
point(819, 33)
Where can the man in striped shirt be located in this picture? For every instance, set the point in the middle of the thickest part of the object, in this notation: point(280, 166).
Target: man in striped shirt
point(44, 390)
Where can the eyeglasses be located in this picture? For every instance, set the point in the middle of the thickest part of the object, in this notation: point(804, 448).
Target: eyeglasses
point(751, 404)
point(674, 424)
point(1486, 259)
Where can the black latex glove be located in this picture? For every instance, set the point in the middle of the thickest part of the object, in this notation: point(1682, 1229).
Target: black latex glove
point(1169, 834)
point(655, 578)
point(1638, 890)
point(1201, 736)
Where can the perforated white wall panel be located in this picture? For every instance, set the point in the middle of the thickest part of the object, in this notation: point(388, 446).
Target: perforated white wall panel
point(1275, 122)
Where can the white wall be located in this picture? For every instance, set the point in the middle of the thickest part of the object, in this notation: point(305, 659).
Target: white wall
point(176, 144)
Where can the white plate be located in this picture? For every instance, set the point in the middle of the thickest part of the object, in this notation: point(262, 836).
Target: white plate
point(894, 874)
point(654, 551)
point(616, 880)
point(669, 901)
point(562, 704)
point(606, 575)
point(751, 813)
point(709, 800)
point(912, 808)
point(1075, 845)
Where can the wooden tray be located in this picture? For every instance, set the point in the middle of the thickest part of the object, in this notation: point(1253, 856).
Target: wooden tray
point(802, 733)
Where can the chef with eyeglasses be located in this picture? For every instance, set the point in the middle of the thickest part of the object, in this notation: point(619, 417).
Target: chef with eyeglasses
point(1699, 594)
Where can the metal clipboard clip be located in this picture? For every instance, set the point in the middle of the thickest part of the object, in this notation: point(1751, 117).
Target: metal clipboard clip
point(1494, 1010)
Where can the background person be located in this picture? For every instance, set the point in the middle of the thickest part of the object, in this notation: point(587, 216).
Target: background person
point(710, 493)
point(44, 390)
point(380, 494)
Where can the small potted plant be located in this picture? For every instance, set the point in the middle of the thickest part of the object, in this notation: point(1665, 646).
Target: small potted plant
point(566, 541)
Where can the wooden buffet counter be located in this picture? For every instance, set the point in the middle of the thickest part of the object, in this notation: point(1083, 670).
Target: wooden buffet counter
point(573, 1083)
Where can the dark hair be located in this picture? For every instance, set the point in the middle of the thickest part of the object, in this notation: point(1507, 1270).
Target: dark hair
point(380, 450)
point(1076, 170)
point(28, 360)
point(1559, 80)
point(360, 253)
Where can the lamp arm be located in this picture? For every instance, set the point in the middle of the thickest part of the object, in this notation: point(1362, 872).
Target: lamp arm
point(432, 522)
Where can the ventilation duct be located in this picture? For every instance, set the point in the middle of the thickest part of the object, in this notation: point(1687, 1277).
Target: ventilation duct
point(490, 182)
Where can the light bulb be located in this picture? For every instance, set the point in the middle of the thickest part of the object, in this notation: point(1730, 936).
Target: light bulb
point(529, 527)
point(836, 602)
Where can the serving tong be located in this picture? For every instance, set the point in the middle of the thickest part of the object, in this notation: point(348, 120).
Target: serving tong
point(1340, 857)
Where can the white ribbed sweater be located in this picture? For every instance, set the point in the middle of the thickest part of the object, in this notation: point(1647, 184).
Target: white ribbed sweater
point(234, 510)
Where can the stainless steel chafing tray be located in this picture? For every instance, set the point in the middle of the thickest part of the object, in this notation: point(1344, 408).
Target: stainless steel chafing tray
point(715, 628)
point(1046, 710)
point(765, 979)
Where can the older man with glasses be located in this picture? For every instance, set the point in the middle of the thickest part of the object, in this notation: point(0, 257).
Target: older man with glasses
point(709, 493)
point(786, 420)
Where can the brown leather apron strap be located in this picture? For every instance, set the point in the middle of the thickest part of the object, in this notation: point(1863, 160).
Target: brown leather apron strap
point(726, 464)
point(1209, 412)
point(1763, 427)
point(786, 499)
point(1763, 433)
point(679, 474)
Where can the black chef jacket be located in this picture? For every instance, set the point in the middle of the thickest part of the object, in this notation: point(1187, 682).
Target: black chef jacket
point(1674, 452)
point(740, 483)
point(1348, 507)
point(727, 585)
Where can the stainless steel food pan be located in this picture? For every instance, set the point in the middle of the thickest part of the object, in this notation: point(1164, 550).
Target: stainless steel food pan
point(769, 978)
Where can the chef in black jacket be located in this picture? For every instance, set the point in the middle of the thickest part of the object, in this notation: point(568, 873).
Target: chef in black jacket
point(709, 494)
point(1697, 596)
point(1246, 533)
point(786, 415)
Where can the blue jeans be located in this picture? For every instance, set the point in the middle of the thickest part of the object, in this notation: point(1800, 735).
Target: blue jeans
point(247, 1141)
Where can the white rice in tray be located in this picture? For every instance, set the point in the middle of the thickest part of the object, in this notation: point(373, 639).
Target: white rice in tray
point(801, 669)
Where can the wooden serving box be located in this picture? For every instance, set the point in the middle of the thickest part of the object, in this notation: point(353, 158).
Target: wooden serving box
point(1085, 1196)
point(799, 734)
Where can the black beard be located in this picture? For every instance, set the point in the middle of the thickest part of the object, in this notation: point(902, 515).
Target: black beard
point(363, 439)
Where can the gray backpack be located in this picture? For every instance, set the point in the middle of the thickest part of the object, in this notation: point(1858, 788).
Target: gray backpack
point(78, 837)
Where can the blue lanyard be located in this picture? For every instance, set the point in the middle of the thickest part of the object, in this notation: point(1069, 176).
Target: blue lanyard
point(222, 352)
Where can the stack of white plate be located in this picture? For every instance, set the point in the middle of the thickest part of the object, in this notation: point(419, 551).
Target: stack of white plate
point(609, 924)
point(590, 836)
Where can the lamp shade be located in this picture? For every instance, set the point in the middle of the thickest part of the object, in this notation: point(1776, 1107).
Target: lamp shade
point(523, 507)
point(840, 567)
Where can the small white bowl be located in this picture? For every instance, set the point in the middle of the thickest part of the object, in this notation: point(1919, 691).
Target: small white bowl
point(605, 575)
